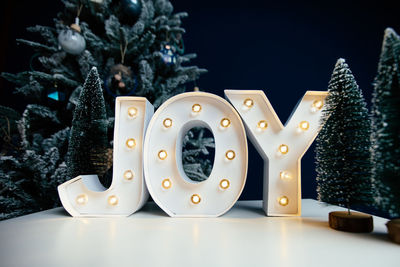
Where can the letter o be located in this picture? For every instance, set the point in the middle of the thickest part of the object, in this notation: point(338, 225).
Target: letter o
point(166, 180)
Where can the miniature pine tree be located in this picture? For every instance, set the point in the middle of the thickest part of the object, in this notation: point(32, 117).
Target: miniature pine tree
point(343, 144)
point(88, 138)
point(386, 126)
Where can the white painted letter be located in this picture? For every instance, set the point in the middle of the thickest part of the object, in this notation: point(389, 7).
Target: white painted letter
point(167, 182)
point(85, 196)
point(281, 147)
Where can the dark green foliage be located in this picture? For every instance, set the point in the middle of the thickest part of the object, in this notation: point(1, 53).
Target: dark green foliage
point(37, 121)
point(106, 29)
point(89, 129)
point(40, 135)
point(343, 144)
point(8, 128)
point(29, 180)
point(386, 126)
point(198, 153)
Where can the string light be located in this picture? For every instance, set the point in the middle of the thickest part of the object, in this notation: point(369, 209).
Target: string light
point(128, 175)
point(82, 199)
point(285, 175)
point(167, 123)
point(225, 122)
point(130, 143)
point(230, 154)
point(132, 112)
point(283, 201)
point(284, 149)
point(166, 183)
point(195, 199)
point(196, 108)
point(162, 154)
point(113, 200)
point(318, 104)
point(248, 102)
point(262, 125)
point(304, 125)
point(224, 184)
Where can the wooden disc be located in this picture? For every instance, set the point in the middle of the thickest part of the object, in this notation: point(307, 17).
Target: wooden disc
point(354, 222)
point(394, 230)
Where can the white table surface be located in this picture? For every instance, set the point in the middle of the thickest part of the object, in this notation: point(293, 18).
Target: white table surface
point(242, 237)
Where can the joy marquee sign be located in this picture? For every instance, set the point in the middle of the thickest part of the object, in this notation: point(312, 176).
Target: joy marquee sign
point(148, 156)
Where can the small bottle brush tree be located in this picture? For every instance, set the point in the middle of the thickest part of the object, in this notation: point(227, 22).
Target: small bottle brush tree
point(386, 126)
point(88, 146)
point(343, 145)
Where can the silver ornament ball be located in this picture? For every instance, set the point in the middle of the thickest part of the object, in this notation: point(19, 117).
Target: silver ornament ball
point(71, 41)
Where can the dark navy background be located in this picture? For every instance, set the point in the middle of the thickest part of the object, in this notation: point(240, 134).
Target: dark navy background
point(282, 48)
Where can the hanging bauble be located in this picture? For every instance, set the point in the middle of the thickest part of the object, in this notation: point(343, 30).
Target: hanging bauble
point(98, 6)
point(120, 81)
point(178, 43)
point(168, 54)
point(132, 8)
point(71, 39)
point(55, 95)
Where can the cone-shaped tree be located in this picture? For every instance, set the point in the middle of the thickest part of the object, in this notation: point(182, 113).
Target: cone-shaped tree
point(88, 137)
point(343, 145)
point(386, 126)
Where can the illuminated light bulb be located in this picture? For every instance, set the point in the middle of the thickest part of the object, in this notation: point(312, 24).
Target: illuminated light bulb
point(318, 104)
point(230, 154)
point(284, 149)
point(225, 122)
point(166, 183)
point(113, 200)
point(224, 184)
point(128, 175)
point(285, 175)
point(304, 125)
point(82, 199)
point(162, 154)
point(131, 143)
point(167, 123)
point(195, 199)
point(196, 108)
point(132, 112)
point(262, 125)
point(248, 102)
point(283, 201)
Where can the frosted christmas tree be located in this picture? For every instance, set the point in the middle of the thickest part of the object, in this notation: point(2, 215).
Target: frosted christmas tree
point(343, 145)
point(386, 126)
point(137, 48)
point(87, 150)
